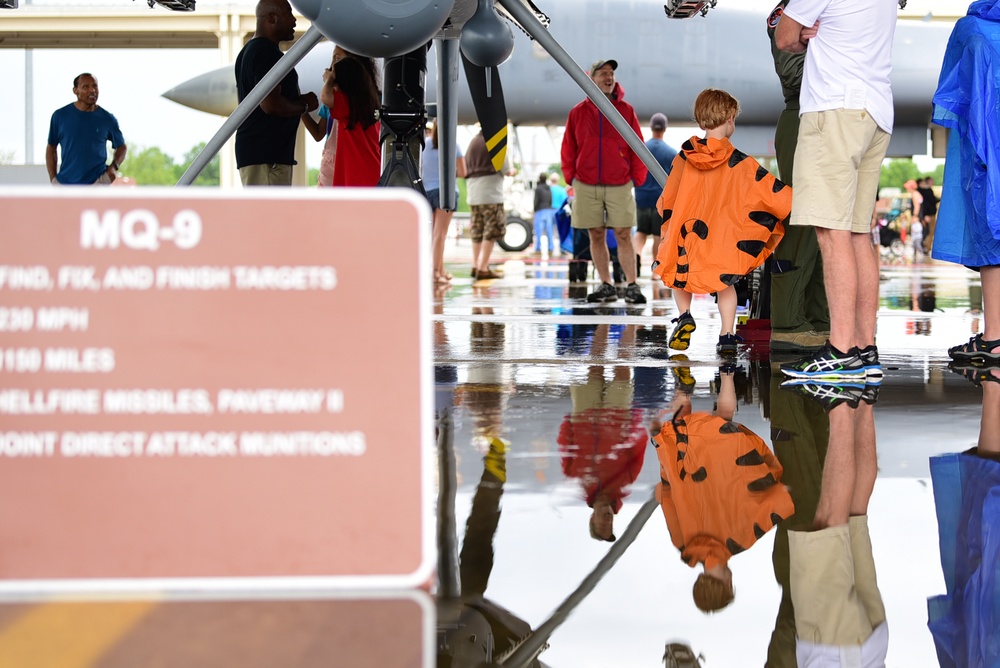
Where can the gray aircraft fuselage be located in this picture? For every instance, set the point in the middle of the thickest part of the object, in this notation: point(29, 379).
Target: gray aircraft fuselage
point(663, 64)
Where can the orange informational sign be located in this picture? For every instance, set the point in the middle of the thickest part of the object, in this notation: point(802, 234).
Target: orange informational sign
point(214, 391)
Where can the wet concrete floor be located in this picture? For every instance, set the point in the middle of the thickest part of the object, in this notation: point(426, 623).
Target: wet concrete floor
point(543, 401)
point(573, 391)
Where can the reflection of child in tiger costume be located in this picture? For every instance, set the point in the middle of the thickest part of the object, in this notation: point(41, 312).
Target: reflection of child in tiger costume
point(719, 491)
point(722, 214)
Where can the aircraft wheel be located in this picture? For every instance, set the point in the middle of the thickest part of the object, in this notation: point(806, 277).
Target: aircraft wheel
point(517, 236)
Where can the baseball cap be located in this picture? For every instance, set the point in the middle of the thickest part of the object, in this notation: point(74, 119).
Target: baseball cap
point(601, 63)
point(658, 122)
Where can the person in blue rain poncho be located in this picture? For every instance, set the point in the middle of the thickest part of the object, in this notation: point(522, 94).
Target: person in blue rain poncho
point(968, 227)
point(965, 621)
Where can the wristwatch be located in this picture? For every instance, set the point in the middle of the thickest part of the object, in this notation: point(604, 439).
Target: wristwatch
point(115, 166)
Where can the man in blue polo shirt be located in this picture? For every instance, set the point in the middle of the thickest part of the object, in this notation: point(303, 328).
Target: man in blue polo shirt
point(82, 130)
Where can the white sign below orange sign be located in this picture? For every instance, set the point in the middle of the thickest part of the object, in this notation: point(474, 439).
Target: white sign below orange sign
point(223, 392)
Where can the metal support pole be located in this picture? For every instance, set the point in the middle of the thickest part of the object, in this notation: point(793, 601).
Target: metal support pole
point(447, 118)
point(530, 648)
point(447, 527)
point(533, 26)
point(271, 80)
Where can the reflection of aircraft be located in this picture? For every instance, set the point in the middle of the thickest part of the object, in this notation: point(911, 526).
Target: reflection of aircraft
point(663, 64)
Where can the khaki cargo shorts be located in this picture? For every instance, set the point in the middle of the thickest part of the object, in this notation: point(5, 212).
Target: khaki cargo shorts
point(838, 159)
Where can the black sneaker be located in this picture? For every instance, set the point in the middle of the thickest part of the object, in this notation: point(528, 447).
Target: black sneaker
point(729, 344)
point(827, 364)
point(680, 338)
point(633, 295)
point(605, 293)
point(873, 369)
point(828, 395)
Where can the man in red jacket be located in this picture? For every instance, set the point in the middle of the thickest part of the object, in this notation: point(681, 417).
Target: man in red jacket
point(602, 169)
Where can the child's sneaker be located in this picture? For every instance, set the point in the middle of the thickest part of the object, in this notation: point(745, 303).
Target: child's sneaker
point(683, 380)
point(729, 344)
point(827, 364)
point(680, 338)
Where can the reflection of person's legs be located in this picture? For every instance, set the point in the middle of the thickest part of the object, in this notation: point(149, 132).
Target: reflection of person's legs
point(990, 277)
point(476, 558)
point(839, 475)
point(727, 310)
point(865, 461)
point(832, 573)
point(865, 580)
point(799, 436)
point(989, 433)
point(726, 404)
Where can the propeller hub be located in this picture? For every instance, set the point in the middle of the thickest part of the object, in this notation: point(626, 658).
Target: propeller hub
point(486, 38)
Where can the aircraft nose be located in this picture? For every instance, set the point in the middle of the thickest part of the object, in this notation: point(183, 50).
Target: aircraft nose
point(213, 92)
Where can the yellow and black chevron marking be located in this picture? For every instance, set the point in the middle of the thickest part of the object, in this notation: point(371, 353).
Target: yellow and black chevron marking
point(497, 146)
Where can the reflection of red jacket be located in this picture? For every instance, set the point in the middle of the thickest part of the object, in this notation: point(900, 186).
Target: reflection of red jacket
point(594, 152)
point(722, 216)
point(720, 487)
point(604, 448)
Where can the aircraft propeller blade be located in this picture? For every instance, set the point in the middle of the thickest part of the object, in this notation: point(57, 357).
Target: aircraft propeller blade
point(487, 98)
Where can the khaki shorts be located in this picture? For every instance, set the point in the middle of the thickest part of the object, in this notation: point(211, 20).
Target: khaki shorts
point(488, 221)
point(597, 393)
point(832, 581)
point(590, 203)
point(266, 175)
point(838, 159)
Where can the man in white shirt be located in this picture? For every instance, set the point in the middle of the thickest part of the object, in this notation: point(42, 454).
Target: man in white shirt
point(846, 118)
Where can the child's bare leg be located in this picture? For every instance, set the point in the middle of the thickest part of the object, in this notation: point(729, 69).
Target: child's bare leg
point(726, 404)
point(683, 300)
point(727, 310)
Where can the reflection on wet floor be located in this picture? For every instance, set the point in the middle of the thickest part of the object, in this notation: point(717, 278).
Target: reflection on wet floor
point(589, 477)
point(549, 399)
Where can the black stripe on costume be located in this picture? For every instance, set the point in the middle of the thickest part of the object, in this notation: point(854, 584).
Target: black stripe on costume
point(765, 218)
point(751, 247)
